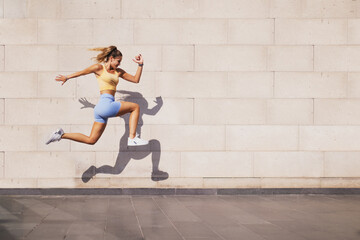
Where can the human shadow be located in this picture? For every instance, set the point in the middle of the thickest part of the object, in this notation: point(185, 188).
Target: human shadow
point(127, 153)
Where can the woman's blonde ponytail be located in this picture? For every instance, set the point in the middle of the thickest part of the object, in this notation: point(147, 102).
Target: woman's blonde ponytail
point(106, 52)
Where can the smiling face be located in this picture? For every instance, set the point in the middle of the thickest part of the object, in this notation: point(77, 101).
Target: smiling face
point(115, 62)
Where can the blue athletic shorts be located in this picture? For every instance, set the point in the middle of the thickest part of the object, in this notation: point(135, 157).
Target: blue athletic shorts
point(106, 107)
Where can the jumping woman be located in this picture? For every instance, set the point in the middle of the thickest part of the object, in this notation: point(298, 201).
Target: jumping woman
point(107, 74)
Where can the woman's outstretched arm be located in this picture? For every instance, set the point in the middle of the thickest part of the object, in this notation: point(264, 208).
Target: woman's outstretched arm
point(135, 79)
point(92, 69)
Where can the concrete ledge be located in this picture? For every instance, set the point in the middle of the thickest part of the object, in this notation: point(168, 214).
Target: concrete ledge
point(174, 191)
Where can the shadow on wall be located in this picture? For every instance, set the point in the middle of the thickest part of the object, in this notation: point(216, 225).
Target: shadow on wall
point(127, 153)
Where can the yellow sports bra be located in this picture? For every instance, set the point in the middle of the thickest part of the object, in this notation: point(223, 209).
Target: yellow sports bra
point(107, 81)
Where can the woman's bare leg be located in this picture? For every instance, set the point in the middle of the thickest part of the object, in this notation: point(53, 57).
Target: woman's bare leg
point(134, 110)
point(96, 132)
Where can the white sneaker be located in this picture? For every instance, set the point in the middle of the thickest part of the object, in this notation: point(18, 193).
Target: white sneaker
point(136, 141)
point(56, 136)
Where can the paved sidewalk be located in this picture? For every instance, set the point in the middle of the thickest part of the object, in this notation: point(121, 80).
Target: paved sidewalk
point(248, 217)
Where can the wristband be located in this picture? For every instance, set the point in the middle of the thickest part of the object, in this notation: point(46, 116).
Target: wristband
point(140, 65)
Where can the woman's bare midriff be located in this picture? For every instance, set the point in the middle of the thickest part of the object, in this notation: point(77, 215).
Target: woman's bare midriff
point(112, 92)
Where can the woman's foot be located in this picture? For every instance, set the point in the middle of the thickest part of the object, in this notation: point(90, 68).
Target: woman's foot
point(136, 141)
point(56, 136)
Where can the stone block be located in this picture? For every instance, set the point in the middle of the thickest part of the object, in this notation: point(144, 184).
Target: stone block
point(340, 183)
point(44, 164)
point(222, 58)
point(195, 9)
point(33, 58)
point(311, 31)
point(18, 183)
point(341, 164)
point(75, 58)
point(2, 111)
point(195, 137)
point(329, 138)
point(353, 56)
point(337, 112)
point(229, 182)
point(27, 81)
point(218, 164)
point(94, 183)
point(191, 84)
point(15, 9)
point(230, 111)
point(310, 85)
point(59, 183)
point(261, 138)
point(58, 31)
point(164, 9)
point(178, 58)
point(48, 87)
point(47, 111)
point(249, 85)
point(313, 9)
point(23, 138)
point(132, 183)
point(353, 31)
point(44, 8)
point(18, 31)
point(258, 31)
point(288, 164)
point(337, 58)
point(329, 8)
point(90, 9)
point(174, 31)
point(330, 58)
point(1, 8)
point(290, 58)
point(235, 8)
point(286, 8)
point(122, 33)
point(290, 182)
point(290, 111)
point(173, 111)
point(2, 58)
point(353, 85)
point(175, 182)
point(2, 160)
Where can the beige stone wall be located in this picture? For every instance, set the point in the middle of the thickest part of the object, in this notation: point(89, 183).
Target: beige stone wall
point(256, 93)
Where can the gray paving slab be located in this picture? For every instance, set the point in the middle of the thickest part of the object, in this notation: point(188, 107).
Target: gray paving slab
point(249, 217)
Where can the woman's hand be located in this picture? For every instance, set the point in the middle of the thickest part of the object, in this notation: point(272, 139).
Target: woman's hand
point(139, 59)
point(61, 78)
